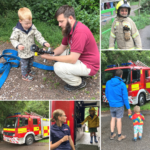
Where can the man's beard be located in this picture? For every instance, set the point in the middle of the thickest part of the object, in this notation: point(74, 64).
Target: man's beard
point(67, 29)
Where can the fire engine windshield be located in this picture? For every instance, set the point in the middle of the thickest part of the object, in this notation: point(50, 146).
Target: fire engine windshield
point(111, 73)
point(11, 122)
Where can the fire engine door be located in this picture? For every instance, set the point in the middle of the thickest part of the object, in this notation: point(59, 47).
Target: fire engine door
point(36, 126)
point(136, 81)
point(147, 80)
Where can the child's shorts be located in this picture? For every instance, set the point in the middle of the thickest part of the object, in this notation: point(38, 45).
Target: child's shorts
point(117, 111)
point(92, 129)
point(138, 129)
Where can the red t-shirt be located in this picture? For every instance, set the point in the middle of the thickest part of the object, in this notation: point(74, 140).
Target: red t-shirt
point(83, 42)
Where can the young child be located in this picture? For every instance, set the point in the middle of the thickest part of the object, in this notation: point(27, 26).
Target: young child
point(124, 30)
point(138, 119)
point(93, 123)
point(22, 38)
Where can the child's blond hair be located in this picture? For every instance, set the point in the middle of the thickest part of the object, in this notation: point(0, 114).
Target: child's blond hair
point(24, 13)
point(137, 109)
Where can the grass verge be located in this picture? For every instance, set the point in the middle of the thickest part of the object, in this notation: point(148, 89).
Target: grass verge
point(105, 107)
point(44, 140)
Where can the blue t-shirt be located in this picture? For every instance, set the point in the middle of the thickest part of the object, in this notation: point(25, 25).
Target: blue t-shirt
point(58, 133)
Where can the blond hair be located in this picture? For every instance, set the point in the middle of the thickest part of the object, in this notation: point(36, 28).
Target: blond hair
point(136, 109)
point(56, 113)
point(24, 13)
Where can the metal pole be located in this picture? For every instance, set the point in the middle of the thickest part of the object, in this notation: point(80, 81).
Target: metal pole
point(139, 6)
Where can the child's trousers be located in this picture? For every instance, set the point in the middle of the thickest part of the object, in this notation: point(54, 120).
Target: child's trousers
point(26, 65)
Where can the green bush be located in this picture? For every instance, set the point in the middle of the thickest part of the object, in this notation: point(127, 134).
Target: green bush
point(87, 11)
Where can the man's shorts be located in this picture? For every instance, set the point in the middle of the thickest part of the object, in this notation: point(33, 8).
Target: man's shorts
point(117, 111)
point(138, 129)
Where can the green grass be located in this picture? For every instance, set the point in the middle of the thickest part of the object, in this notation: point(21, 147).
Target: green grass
point(44, 140)
point(51, 33)
point(105, 108)
point(140, 21)
point(134, 3)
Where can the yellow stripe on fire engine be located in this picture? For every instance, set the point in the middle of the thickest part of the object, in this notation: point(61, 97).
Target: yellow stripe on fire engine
point(103, 86)
point(8, 129)
point(45, 134)
point(68, 123)
point(135, 87)
point(127, 86)
point(22, 130)
point(45, 127)
point(39, 132)
point(148, 85)
point(141, 71)
point(36, 128)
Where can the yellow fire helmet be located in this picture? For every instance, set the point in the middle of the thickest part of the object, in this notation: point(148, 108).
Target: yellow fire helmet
point(122, 4)
point(92, 108)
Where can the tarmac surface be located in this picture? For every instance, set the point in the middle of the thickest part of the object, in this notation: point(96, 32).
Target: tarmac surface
point(127, 129)
point(34, 146)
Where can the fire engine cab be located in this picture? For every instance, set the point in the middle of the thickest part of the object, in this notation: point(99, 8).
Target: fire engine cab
point(136, 76)
point(20, 129)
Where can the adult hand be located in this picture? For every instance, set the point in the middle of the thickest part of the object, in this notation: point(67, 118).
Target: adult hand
point(129, 111)
point(20, 47)
point(65, 138)
point(47, 44)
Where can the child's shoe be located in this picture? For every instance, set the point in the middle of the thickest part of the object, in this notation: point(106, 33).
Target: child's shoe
point(140, 137)
point(31, 72)
point(91, 140)
point(95, 139)
point(112, 136)
point(27, 78)
point(134, 139)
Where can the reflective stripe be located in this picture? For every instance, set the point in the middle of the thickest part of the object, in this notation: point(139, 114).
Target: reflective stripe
point(44, 119)
point(113, 35)
point(135, 35)
point(127, 86)
point(135, 87)
point(8, 129)
point(46, 131)
point(22, 130)
point(103, 86)
point(68, 123)
point(148, 85)
point(36, 129)
point(111, 48)
point(141, 71)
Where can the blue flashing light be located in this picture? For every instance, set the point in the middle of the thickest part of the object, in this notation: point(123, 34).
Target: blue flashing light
point(17, 113)
point(126, 64)
point(111, 66)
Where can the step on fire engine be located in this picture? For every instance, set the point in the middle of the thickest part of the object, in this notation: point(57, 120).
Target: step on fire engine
point(20, 129)
point(136, 76)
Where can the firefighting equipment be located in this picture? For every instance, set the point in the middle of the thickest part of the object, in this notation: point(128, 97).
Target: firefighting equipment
point(122, 4)
point(118, 35)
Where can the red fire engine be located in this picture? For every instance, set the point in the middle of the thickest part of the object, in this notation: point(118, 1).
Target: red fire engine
point(136, 76)
point(75, 111)
point(20, 129)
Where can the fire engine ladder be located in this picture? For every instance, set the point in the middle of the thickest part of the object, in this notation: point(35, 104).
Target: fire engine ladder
point(139, 63)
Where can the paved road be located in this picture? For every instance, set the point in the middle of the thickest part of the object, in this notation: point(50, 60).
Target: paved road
point(127, 144)
point(34, 146)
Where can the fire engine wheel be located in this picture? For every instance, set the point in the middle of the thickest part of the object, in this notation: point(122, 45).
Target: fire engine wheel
point(29, 140)
point(141, 100)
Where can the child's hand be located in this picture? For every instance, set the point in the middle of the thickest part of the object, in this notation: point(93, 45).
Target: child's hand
point(129, 111)
point(47, 44)
point(20, 47)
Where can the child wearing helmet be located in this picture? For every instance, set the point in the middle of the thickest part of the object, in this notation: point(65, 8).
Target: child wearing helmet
point(124, 30)
point(93, 123)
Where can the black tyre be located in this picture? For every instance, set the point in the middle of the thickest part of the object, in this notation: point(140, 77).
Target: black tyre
point(141, 99)
point(29, 139)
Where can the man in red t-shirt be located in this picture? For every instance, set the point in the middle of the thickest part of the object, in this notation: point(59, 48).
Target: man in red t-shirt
point(83, 58)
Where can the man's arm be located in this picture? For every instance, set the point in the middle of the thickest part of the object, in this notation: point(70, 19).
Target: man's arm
point(72, 58)
point(71, 143)
point(59, 50)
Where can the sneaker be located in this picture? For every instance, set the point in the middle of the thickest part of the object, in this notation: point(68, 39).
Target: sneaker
point(71, 88)
point(122, 137)
point(112, 136)
point(134, 139)
point(27, 78)
point(140, 138)
point(31, 72)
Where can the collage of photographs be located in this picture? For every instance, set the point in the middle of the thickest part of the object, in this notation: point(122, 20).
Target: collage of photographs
point(74, 75)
